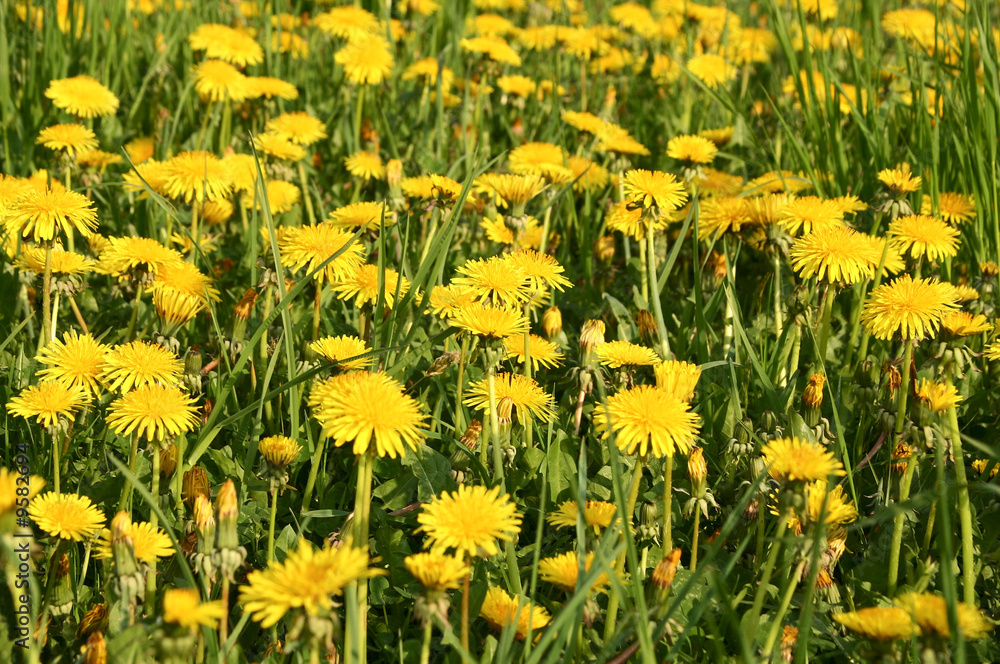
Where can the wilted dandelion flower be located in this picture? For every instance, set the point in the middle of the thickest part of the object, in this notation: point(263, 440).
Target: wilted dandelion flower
point(183, 607)
point(366, 61)
point(470, 521)
point(528, 398)
point(310, 246)
point(157, 412)
point(543, 353)
point(345, 347)
point(798, 460)
point(500, 609)
point(953, 207)
point(42, 214)
point(149, 543)
point(838, 254)
point(136, 256)
point(82, 96)
point(48, 401)
point(365, 165)
point(911, 308)
point(677, 378)
point(882, 623)
point(77, 361)
point(597, 514)
point(646, 421)
point(370, 411)
point(298, 127)
point(362, 284)
point(808, 214)
point(562, 571)
point(618, 354)
point(307, 579)
point(648, 188)
point(937, 396)
point(72, 139)
point(66, 516)
point(437, 572)
point(139, 363)
point(923, 236)
point(692, 149)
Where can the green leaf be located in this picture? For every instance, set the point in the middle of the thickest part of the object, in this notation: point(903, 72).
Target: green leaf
point(432, 471)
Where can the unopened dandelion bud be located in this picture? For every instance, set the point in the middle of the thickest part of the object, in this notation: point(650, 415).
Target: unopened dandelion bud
point(863, 374)
point(812, 399)
point(827, 587)
point(394, 172)
point(663, 575)
point(768, 424)
point(62, 594)
point(647, 324)
point(505, 411)
point(241, 313)
point(96, 650)
point(168, 460)
point(204, 525)
point(129, 581)
point(195, 484)
point(227, 511)
point(698, 472)
point(552, 322)
point(649, 521)
point(901, 457)
point(591, 335)
point(989, 269)
point(95, 620)
point(604, 248)
point(471, 436)
point(279, 452)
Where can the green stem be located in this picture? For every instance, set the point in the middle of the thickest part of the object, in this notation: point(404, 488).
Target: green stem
point(195, 243)
point(778, 319)
point(946, 552)
point(904, 488)
point(825, 314)
point(130, 335)
point(779, 617)
point(498, 475)
point(964, 512)
point(270, 524)
point(546, 226)
point(126, 498)
point(307, 199)
point(668, 500)
point(655, 292)
point(317, 304)
point(694, 539)
point(527, 372)
point(56, 462)
point(765, 578)
point(465, 610)
point(611, 618)
point(362, 512)
point(178, 478)
point(154, 481)
point(460, 386)
point(358, 108)
point(425, 648)
point(644, 271)
point(46, 335)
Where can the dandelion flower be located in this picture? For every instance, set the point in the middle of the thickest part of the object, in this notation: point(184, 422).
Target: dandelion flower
point(235, 47)
point(217, 81)
point(197, 175)
point(930, 614)
point(625, 219)
point(362, 284)
point(712, 70)
point(369, 410)
point(808, 214)
point(692, 149)
point(588, 174)
point(307, 579)
point(489, 321)
point(543, 353)
point(953, 207)
point(9, 484)
point(677, 378)
point(148, 542)
point(899, 181)
point(82, 96)
point(445, 301)
point(493, 47)
point(909, 307)
point(500, 610)
point(348, 22)
point(618, 354)
point(136, 256)
point(648, 188)
point(616, 139)
point(73, 139)
point(470, 520)
point(66, 516)
point(437, 572)
point(310, 246)
point(48, 401)
point(544, 159)
point(838, 254)
point(938, 396)
point(963, 324)
point(269, 87)
point(562, 571)
point(923, 236)
point(279, 451)
point(298, 127)
point(646, 420)
point(527, 396)
point(140, 149)
point(365, 165)
point(183, 607)
point(339, 349)
point(157, 412)
point(183, 278)
point(42, 214)
point(494, 280)
point(98, 159)
point(357, 215)
point(277, 146)
point(76, 360)
point(514, 190)
point(597, 514)
point(366, 61)
point(797, 460)
point(139, 363)
point(882, 623)
point(541, 270)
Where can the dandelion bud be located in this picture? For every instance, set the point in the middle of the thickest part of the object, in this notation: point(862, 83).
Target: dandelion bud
point(279, 452)
point(649, 521)
point(901, 457)
point(893, 378)
point(195, 484)
point(230, 554)
point(647, 324)
point(394, 172)
point(505, 411)
point(788, 639)
point(168, 460)
point(663, 575)
point(552, 322)
point(768, 424)
point(591, 335)
point(95, 620)
point(812, 399)
point(697, 472)
point(241, 313)
point(827, 587)
point(62, 596)
point(441, 363)
point(604, 248)
point(989, 269)
point(471, 436)
point(129, 581)
point(96, 650)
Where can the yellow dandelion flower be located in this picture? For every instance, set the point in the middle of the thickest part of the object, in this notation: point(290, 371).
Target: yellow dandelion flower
point(436, 572)
point(72, 139)
point(140, 149)
point(275, 145)
point(62, 262)
point(76, 360)
point(270, 87)
point(625, 219)
point(494, 47)
point(712, 70)
point(500, 610)
point(959, 324)
point(279, 451)
point(909, 307)
point(369, 410)
point(469, 521)
point(544, 159)
point(527, 397)
point(597, 514)
point(562, 571)
point(883, 623)
point(648, 188)
point(953, 207)
point(298, 127)
point(365, 165)
point(543, 353)
point(366, 61)
point(66, 516)
point(692, 149)
point(345, 347)
point(98, 159)
point(9, 485)
point(588, 174)
point(838, 254)
point(361, 214)
point(899, 181)
point(156, 412)
point(797, 460)
point(647, 420)
point(82, 96)
point(618, 354)
point(938, 396)
point(48, 401)
point(139, 363)
point(217, 81)
point(488, 321)
point(42, 214)
point(148, 542)
point(541, 270)
point(362, 284)
point(445, 301)
point(235, 47)
point(183, 607)
point(930, 614)
point(310, 246)
point(198, 176)
point(677, 378)
point(347, 22)
point(808, 214)
point(494, 280)
point(136, 256)
point(923, 236)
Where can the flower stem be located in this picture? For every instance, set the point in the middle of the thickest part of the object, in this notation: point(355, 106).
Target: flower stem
point(694, 539)
point(425, 648)
point(46, 300)
point(823, 328)
point(304, 179)
point(904, 487)
point(270, 524)
point(495, 424)
point(668, 481)
point(317, 303)
point(126, 498)
point(56, 462)
point(786, 599)
point(633, 496)
point(130, 335)
point(154, 482)
point(362, 512)
point(964, 512)
point(661, 325)
point(527, 373)
point(765, 578)
point(465, 610)
point(78, 314)
point(460, 386)
point(358, 108)
point(195, 243)
point(644, 271)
